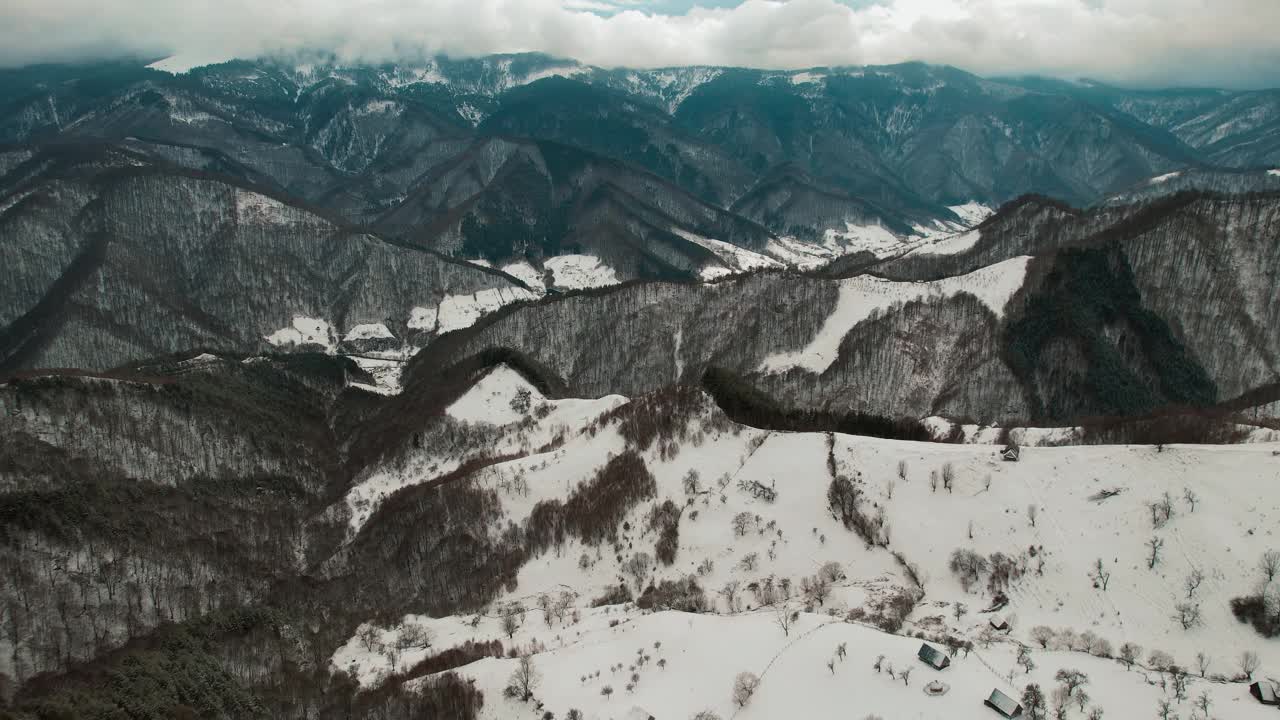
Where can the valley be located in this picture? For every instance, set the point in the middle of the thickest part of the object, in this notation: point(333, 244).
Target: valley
point(516, 387)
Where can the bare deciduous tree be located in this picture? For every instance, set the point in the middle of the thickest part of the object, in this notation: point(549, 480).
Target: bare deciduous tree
point(744, 686)
point(525, 678)
point(1154, 544)
point(1032, 512)
point(1071, 679)
point(1193, 582)
point(730, 593)
point(1129, 653)
point(1101, 578)
point(1248, 663)
point(1043, 635)
point(414, 636)
point(1187, 614)
point(368, 636)
point(785, 617)
point(1203, 704)
point(1190, 496)
point(1270, 564)
point(1202, 663)
point(638, 568)
point(512, 618)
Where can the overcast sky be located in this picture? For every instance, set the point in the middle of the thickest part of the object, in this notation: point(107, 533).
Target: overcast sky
point(1232, 43)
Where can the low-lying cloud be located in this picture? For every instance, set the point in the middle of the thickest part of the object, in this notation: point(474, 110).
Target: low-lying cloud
point(1136, 42)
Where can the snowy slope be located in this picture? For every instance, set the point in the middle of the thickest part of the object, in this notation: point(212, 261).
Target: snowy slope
point(488, 403)
point(704, 653)
point(733, 259)
point(861, 296)
point(1235, 519)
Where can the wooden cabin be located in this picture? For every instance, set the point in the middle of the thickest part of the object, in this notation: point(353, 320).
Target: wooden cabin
point(1003, 704)
point(1264, 692)
point(933, 657)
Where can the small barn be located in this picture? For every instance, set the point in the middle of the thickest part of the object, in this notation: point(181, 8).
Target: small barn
point(999, 623)
point(933, 657)
point(1003, 704)
point(1011, 453)
point(1264, 692)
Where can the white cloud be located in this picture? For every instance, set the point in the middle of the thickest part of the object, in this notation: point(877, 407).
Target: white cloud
point(1183, 42)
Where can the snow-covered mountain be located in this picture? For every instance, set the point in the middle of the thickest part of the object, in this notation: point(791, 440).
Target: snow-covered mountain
point(513, 387)
point(631, 552)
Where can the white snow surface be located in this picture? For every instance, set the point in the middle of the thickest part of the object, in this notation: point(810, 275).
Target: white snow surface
point(804, 78)
point(733, 259)
point(184, 63)
point(526, 273)
point(576, 272)
point(1235, 518)
point(460, 311)
point(704, 653)
point(861, 296)
point(874, 238)
point(487, 403)
point(255, 207)
point(952, 245)
point(368, 331)
point(305, 331)
point(1163, 178)
point(972, 213)
point(385, 371)
point(1275, 172)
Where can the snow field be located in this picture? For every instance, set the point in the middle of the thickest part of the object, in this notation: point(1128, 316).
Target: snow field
point(305, 331)
point(488, 402)
point(863, 295)
point(1235, 519)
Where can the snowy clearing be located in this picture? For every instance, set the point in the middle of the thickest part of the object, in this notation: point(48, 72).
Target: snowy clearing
point(489, 402)
point(577, 272)
point(861, 296)
point(972, 213)
point(1091, 504)
point(304, 331)
point(368, 331)
point(386, 374)
point(460, 311)
point(734, 258)
point(952, 245)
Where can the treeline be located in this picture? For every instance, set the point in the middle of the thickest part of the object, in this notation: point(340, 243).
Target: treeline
point(744, 404)
point(1088, 301)
point(597, 507)
point(182, 672)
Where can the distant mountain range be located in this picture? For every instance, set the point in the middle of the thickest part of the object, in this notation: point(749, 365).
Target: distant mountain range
point(451, 154)
point(251, 206)
point(292, 353)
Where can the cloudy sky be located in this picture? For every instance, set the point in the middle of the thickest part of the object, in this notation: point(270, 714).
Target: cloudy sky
point(1232, 43)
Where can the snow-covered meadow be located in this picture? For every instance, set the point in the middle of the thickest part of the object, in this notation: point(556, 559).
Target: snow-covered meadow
point(1057, 516)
